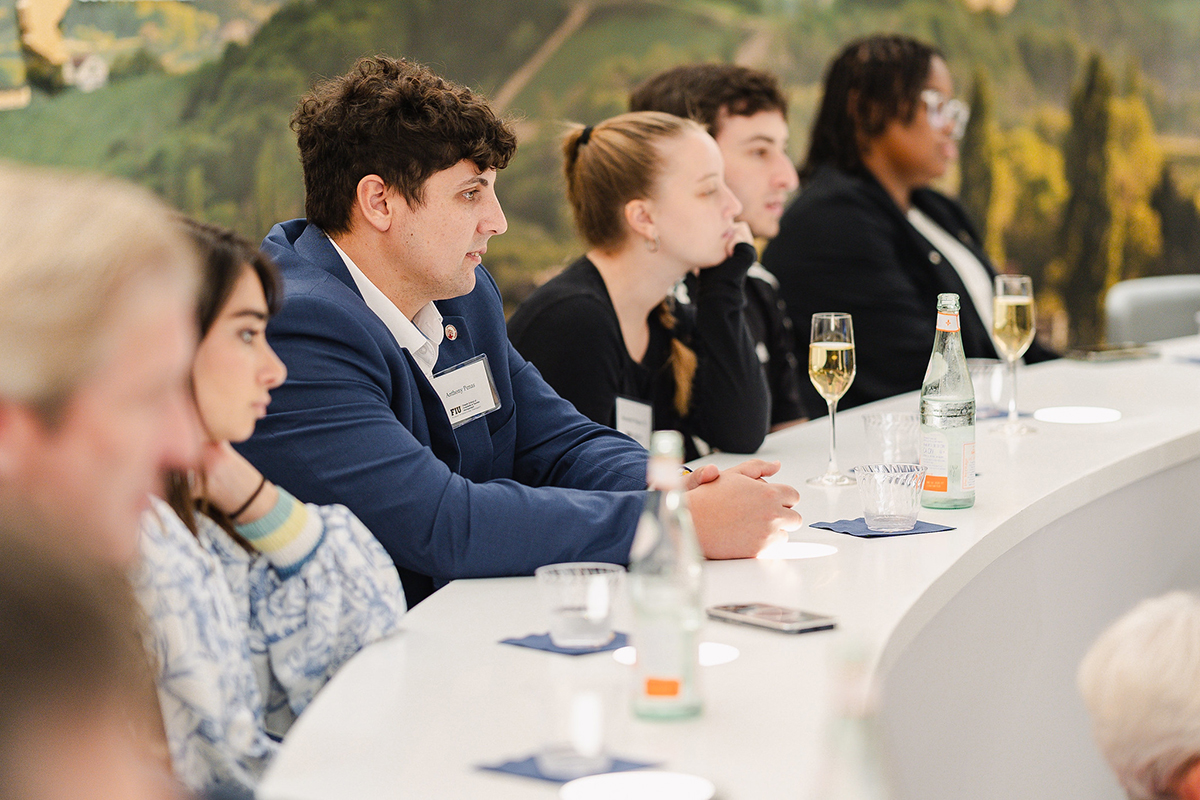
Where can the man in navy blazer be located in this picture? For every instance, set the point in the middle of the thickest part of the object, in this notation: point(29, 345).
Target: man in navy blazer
point(387, 310)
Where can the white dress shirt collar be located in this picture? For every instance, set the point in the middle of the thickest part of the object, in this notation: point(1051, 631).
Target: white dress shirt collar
point(420, 336)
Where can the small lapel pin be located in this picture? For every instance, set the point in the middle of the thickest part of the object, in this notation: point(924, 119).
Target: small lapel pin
point(451, 332)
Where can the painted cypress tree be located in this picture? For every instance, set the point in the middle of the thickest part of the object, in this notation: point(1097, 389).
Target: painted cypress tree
point(1180, 226)
point(1135, 164)
point(978, 164)
point(1088, 219)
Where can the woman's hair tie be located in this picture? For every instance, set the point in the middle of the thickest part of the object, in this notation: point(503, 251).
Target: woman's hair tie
point(585, 135)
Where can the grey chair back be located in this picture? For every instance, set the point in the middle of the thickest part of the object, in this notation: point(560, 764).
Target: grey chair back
point(1149, 309)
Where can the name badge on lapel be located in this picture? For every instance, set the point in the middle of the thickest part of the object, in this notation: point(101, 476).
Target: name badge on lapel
point(467, 390)
point(635, 419)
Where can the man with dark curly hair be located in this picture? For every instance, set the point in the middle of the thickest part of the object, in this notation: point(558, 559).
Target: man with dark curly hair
point(404, 399)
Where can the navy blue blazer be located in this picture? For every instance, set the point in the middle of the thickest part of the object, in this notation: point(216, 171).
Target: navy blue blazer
point(356, 422)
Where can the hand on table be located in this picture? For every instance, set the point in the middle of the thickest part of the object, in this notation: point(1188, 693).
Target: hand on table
point(696, 478)
point(737, 514)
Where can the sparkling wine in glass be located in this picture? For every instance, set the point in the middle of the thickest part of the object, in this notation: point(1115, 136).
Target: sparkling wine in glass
point(831, 370)
point(1012, 330)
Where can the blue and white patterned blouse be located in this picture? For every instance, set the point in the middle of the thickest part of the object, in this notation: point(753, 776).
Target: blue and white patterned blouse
point(241, 642)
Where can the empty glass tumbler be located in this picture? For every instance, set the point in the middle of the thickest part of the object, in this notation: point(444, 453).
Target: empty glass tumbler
point(891, 495)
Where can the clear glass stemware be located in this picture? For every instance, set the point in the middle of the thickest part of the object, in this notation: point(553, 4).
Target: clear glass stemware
point(1012, 330)
point(831, 370)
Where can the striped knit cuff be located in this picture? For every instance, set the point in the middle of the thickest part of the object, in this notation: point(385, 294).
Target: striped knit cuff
point(287, 535)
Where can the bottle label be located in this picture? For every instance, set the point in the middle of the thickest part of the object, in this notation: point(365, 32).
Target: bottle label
point(662, 687)
point(933, 458)
point(968, 467)
point(947, 321)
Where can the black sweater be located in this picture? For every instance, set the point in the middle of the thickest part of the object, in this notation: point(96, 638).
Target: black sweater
point(774, 337)
point(569, 329)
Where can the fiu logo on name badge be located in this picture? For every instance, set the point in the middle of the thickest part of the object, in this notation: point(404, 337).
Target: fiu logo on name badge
point(467, 390)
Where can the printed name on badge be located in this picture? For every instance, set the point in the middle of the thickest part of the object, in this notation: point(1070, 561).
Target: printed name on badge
point(635, 419)
point(467, 390)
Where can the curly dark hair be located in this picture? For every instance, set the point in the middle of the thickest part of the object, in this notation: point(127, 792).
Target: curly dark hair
point(395, 119)
point(702, 91)
point(871, 82)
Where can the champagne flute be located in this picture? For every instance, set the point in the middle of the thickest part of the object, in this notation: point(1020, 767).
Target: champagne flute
point(1012, 330)
point(831, 370)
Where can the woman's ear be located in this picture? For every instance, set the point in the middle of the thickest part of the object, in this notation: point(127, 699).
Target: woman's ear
point(639, 216)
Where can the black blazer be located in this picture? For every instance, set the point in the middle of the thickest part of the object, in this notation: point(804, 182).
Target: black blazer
point(844, 245)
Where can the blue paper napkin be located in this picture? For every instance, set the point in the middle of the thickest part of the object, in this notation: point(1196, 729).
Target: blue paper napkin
point(528, 768)
point(858, 527)
point(541, 641)
point(999, 413)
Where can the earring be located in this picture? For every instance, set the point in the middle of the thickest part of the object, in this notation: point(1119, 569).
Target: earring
point(652, 244)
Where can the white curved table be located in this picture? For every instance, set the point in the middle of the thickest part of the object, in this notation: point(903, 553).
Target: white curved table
point(974, 633)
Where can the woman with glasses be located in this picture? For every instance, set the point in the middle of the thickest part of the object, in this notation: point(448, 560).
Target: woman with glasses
point(868, 235)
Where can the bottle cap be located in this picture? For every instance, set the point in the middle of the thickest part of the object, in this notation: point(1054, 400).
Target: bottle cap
point(666, 444)
point(666, 456)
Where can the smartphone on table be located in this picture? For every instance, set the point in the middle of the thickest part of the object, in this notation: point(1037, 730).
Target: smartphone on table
point(1125, 351)
point(769, 615)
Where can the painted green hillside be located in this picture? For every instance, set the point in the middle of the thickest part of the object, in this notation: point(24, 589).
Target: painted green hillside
point(215, 141)
point(178, 34)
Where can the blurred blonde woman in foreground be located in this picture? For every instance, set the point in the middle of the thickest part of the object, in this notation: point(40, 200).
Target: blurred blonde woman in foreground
point(97, 289)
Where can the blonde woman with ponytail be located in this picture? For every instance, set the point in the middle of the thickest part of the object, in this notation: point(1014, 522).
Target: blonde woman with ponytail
point(649, 199)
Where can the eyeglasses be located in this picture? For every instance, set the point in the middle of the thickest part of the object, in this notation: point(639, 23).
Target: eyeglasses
point(943, 111)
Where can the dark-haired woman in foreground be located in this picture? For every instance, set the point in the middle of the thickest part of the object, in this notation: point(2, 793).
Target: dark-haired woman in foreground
point(649, 197)
point(868, 235)
point(252, 599)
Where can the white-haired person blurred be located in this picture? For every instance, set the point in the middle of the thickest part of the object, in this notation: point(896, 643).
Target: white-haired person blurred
point(1141, 685)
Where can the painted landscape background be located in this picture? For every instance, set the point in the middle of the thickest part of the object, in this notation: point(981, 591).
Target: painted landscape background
point(1081, 163)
